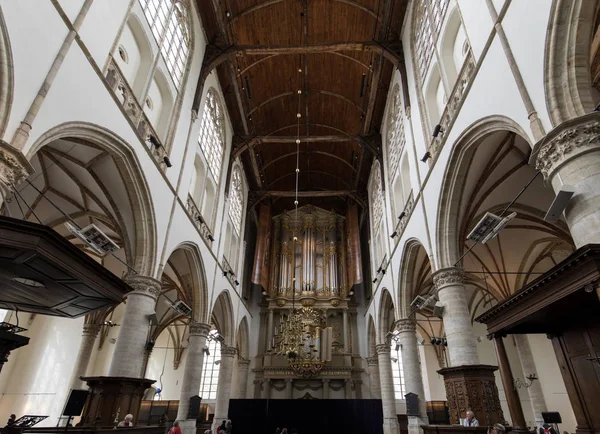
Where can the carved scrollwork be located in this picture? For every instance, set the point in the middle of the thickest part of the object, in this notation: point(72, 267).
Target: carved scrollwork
point(12, 171)
point(567, 144)
point(448, 276)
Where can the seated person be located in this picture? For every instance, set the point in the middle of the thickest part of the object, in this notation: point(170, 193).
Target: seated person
point(470, 419)
point(127, 422)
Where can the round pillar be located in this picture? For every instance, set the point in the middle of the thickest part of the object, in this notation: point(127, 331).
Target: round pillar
point(374, 381)
point(569, 155)
point(536, 395)
point(388, 397)
point(192, 374)
point(462, 345)
point(128, 358)
point(242, 366)
point(413, 379)
point(88, 339)
point(224, 390)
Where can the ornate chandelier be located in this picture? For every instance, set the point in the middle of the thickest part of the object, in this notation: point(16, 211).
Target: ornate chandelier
point(304, 340)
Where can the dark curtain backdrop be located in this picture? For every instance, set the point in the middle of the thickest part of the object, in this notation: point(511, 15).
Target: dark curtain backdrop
point(318, 416)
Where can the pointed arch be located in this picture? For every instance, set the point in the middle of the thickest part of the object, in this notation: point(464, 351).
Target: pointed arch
point(144, 244)
point(6, 76)
point(387, 315)
point(411, 269)
point(371, 337)
point(243, 338)
point(222, 315)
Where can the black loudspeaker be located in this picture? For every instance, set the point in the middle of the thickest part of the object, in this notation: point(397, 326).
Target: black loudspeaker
point(75, 402)
point(412, 404)
point(194, 410)
point(551, 417)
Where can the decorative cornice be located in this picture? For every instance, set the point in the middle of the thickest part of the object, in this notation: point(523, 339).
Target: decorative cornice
point(383, 349)
point(565, 142)
point(144, 285)
point(372, 361)
point(227, 351)
point(14, 167)
point(448, 276)
point(406, 325)
point(199, 329)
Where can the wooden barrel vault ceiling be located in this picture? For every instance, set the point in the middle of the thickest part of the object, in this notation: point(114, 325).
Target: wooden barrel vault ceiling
point(340, 54)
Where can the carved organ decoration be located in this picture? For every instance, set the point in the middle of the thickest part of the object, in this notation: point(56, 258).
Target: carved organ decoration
point(314, 263)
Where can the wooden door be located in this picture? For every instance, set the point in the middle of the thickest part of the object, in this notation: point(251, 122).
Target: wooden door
point(578, 353)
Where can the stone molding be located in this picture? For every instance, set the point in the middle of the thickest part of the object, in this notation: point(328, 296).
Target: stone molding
point(91, 329)
point(199, 329)
point(372, 361)
point(448, 276)
point(144, 285)
point(383, 348)
point(567, 141)
point(227, 351)
point(243, 363)
point(406, 325)
point(14, 167)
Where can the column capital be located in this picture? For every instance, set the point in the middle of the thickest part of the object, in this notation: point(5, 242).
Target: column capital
point(14, 167)
point(406, 325)
point(243, 362)
point(566, 141)
point(372, 361)
point(448, 276)
point(199, 329)
point(383, 348)
point(144, 285)
point(227, 351)
point(91, 329)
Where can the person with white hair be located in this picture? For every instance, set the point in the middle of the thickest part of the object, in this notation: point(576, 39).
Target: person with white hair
point(470, 420)
point(127, 422)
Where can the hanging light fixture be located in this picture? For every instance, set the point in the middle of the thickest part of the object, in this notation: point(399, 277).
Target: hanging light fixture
point(303, 336)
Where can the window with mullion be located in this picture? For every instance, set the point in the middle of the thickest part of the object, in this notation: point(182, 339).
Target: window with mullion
point(211, 139)
point(210, 368)
point(235, 200)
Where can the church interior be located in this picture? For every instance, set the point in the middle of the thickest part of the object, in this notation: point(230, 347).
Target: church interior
point(273, 216)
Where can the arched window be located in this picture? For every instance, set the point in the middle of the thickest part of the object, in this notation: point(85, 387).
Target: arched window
point(428, 19)
point(397, 368)
point(395, 133)
point(168, 20)
point(235, 200)
point(377, 199)
point(212, 134)
point(210, 370)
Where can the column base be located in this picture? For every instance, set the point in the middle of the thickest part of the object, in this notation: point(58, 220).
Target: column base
point(472, 387)
point(415, 423)
point(111, 398)
point(188, 426)
point(390, 426)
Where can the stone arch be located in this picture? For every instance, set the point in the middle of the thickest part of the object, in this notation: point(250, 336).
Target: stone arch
point(6, 76)
point(371, 337)
point(406, 283)
point(198, 282)
point(448, 245)
point(222, 315)
point(243, 339)
point(145, 244)
point(387, 316)
point(567, 79)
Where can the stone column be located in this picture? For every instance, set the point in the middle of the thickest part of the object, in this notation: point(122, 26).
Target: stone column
point(224, 389)
point(192, 374)
point(289, 385)
point(413, 379)
point(536, 395)
point(128, 357)
point(326, 388)
point(512, 397)
point(374, 382)
point(388, 398)
point(348, 389)
point(14, 169)
point(462, 345)
point(570, 155)
point(242, 365)
point(346, 331)
point(269, 330)
point(88, 339)
point(266, 389)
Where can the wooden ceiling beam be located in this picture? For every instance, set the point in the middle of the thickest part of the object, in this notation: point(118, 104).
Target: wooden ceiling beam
point(261, 195)
point(216, 54)
point(245, 143)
